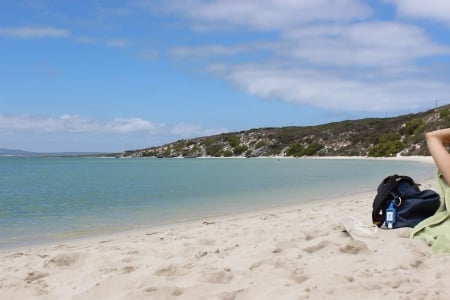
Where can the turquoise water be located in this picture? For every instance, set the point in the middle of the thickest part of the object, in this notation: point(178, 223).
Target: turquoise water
point(47, 199)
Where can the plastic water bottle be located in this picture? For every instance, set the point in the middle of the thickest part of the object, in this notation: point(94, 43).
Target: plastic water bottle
point(390, 215)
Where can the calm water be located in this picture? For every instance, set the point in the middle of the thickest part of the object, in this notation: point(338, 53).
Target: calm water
point(46, 199)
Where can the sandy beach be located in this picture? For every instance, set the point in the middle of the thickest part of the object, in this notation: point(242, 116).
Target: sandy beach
point(300, 252)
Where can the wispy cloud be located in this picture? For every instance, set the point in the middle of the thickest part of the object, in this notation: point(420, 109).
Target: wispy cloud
point(268, 14)
point(190, 130)
point(86, 40)
point(119, 43)
point(205, 51)
point(365, 43)
point(77, 124)
point(431, 9)
point(122, 12)
point(330, 54)
point(333, 91)
point(34, 32)
point(151, 54)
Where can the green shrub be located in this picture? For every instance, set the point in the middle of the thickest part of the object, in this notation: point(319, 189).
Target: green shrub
point(296, 150)
point(167, 152)
point(414, 126)
point(233, 140)
point(444, 113)
point(149, 153)
point(239, 149)
point(313, 148)
point(214, 150)
point(389, 144)
point(227, 153)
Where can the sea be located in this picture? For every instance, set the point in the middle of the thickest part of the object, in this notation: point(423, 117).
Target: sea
point(49, 199)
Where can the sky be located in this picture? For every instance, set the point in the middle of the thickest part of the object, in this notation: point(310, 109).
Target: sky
point(110, 75)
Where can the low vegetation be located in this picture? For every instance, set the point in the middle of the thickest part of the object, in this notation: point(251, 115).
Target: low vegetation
point(377, 137)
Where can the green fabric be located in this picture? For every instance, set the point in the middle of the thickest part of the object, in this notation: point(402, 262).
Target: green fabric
point(435, 230)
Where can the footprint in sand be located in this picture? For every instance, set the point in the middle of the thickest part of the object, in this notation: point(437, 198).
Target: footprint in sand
point(299, 276)
point(270, 263)
point(33, 276)
point(171, 270)
point(63, 259)
point(128, 269)
point(15, 255)
point(177, 291)
point(206, 242)
point(317, 247)
point(161, 293)
point(416, 263)
point(218, 277)
point(309, 236)
point(229, 295)
point(354, 247)
point(201, 254)
point(256, 265)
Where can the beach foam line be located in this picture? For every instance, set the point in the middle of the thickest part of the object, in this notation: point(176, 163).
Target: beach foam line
point(300, 252)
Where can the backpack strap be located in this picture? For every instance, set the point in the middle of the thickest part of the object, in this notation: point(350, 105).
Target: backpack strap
point(383, 191)
point(384, 194)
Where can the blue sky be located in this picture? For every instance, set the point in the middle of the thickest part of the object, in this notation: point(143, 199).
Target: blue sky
point(111, 75)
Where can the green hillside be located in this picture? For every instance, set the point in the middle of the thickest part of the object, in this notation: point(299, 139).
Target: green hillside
point(376, 137)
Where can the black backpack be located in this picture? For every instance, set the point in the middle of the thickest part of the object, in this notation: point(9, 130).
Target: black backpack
point(412, 205)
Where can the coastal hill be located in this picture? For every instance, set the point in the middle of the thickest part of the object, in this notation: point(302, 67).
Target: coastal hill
point(376, 137)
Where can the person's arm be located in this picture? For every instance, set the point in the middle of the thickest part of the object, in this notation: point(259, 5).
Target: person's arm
point(437, 142)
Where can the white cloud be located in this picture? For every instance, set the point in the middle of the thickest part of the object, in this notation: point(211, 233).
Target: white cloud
point(74, 124)
point(205, 51)
point(121, 12)
point(369, 44)
point(366, 43)
point(186, 130)
point(119, 43)
point(332, 91)
point(121, 125)
point(34, 32)
point(268, 14)
point(86, 40)
point(189, 130)
point(331, 54)
point(77, 124)
point(430, 9)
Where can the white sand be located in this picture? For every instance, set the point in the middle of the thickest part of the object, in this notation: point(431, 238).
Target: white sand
point(290, 253)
